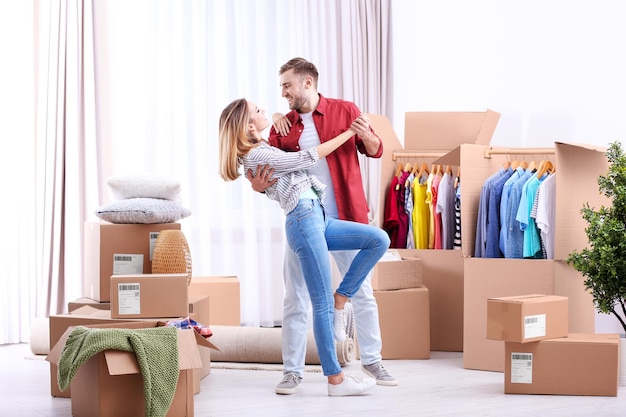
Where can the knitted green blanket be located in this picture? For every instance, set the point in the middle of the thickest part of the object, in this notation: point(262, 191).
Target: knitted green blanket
point(157, 354)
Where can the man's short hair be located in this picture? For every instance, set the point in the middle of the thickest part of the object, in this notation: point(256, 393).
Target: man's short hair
point(301, 67)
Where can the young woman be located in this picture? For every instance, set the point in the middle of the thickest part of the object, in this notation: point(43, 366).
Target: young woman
point(310, 233)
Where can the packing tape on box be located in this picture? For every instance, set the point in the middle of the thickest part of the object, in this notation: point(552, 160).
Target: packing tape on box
point(264, 345)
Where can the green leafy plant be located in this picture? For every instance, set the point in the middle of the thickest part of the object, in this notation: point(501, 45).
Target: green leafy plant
point(603, 262)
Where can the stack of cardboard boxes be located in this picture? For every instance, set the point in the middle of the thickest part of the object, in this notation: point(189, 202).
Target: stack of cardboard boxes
point(541, 356)
point(403, 307)
point(121, 291)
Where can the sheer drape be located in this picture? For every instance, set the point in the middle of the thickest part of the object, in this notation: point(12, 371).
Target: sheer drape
point(127, 87)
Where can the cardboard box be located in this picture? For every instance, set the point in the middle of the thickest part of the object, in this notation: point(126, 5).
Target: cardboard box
point(149, 296)
point(224, 293)
point(199, 307)
point(110, 383)
point(395, 272)
point(404, 323)
point(117, 249)
point(198, 310)
point(580, 364)
point(527, 318)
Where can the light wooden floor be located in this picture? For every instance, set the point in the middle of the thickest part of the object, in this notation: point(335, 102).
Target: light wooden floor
point(439, 386)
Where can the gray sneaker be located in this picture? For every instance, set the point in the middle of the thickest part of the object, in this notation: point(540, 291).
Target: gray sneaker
point(289, 384)
point(380, 374)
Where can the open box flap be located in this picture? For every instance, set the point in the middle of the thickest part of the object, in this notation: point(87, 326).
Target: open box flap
point(446, 130)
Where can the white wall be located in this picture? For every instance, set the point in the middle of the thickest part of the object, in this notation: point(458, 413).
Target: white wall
point(554, 69)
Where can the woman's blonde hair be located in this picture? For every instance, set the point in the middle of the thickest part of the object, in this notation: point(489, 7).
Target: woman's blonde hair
point(235, 140)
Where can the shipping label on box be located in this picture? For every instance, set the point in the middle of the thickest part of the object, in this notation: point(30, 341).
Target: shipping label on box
point(129, 298)
point(521, 368)
point(127, 264)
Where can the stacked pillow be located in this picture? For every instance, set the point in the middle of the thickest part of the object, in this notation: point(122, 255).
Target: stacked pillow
point(142, 199)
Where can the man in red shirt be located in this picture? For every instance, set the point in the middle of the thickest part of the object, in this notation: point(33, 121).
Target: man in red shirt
point(313, 119)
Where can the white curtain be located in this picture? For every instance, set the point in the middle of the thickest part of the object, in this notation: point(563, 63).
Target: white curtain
point(137, 87)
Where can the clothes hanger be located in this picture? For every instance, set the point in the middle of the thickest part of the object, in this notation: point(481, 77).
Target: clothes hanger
point(547, 167)
point(423, 170)
point(448, 170)
point(399, 170)
point(407, 167)
point(515, 164)
point(532, 166)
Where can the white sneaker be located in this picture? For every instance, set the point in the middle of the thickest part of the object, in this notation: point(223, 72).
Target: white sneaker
point(351, 385)
point(339, 325)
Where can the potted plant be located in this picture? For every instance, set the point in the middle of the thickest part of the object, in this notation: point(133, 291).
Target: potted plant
point(603, 262)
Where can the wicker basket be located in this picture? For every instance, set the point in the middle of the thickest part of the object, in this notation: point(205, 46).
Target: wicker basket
point(171, 254)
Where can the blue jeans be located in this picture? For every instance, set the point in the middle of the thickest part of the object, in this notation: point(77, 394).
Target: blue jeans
point(311, 234)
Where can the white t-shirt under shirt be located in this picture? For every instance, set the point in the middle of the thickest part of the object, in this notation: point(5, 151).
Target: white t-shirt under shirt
point(310, 139)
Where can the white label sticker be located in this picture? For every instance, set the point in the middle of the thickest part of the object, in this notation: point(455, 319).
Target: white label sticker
point(153, 239)
point(127, 264)
point(521, 368)
point(129, 296)
point(534, 326)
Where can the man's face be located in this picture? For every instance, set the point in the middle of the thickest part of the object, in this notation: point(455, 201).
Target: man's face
point(293, 89)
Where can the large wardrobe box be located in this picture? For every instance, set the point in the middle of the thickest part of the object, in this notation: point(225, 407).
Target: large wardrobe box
point(145, 296)
point(579, 364)
point(116, 249)
point(429, 135)
point(224, 293)
point(404, 323)
point(527, 318)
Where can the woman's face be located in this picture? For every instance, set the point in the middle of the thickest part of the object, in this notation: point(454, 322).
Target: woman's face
point(258, 121)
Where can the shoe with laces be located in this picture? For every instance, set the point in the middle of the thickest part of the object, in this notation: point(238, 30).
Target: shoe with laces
point(289, 384)
point(380, 374)
point(339, 325)
point(351, 385)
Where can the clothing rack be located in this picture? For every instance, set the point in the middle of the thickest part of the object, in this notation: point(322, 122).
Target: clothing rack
point(415, 154)
point(519, 151)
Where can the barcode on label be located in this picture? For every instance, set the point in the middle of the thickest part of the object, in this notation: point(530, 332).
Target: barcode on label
point(128, 287)
point(154, 235)
point(522, 356)
point(530, 320)
point(122, 258)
